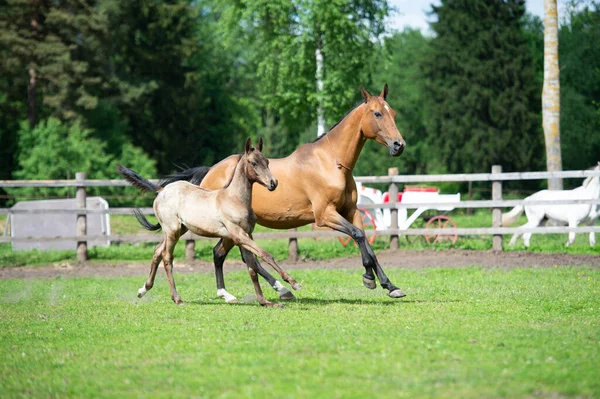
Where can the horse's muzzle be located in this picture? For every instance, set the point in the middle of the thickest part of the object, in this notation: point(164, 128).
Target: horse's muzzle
point(397, 148)
point(272, 185)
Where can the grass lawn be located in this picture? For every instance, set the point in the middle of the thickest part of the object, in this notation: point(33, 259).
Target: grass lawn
point(461, 333)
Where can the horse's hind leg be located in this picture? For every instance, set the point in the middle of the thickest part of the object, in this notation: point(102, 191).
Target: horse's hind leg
point(170, 241)
point(156, 258)
point(572, 223)
point(245, 241)
point(220, 252)
point(251, 261)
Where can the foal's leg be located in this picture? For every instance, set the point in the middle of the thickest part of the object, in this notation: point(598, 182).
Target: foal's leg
point(156, 258)
point(170, 241)
point(245, 241)
point(220, 252)
point(332, 219)
point(251, 261)
point(254, 276)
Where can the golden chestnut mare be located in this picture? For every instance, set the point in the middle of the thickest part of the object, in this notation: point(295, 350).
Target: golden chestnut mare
point(315, 185)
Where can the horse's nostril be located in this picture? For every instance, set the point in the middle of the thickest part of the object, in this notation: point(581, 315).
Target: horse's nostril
point(398, 145)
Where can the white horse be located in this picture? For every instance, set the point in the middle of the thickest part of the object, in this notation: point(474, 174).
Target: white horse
point(571, 214)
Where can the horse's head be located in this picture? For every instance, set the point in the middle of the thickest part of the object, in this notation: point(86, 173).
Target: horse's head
point(378, 122)
point(257, 166)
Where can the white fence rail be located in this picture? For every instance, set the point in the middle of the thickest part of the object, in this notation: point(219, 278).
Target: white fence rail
point(496, 205)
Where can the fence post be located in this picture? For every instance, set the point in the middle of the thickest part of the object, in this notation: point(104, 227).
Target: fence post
point(81, 226)
point(190, 250)
point(293, 248)
point(497, 212)
point(393, 211)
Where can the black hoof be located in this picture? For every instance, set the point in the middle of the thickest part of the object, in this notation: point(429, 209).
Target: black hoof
point(287, 296)
point(370, 284)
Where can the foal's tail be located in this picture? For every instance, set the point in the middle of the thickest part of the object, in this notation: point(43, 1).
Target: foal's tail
point(138, 181)
point(192, 175)
point(144, 185)
point(144, 222)
point(510, 217)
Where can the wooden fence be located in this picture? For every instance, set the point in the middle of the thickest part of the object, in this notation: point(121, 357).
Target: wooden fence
point(496, 204)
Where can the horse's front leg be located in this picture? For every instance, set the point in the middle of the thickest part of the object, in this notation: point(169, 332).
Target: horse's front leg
point(253, 263)
point(332, 219)
point(244, 240)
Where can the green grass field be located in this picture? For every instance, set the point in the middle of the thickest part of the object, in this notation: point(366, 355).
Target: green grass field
point(468, 333)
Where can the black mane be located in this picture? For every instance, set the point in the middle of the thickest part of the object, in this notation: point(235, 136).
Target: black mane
point(338, 122)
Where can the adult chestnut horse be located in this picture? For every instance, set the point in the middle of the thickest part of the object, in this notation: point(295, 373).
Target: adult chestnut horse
point(315, 185)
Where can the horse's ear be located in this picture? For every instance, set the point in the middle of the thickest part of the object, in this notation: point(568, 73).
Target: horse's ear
point(365, 94)
point(384, 92)
point(248, 146)
point(259, 146)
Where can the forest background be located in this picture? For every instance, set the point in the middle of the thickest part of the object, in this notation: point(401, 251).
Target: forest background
point(160, 85)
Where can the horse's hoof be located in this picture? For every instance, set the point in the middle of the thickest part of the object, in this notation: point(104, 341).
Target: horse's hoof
point(268, 304)
point(296, 286)
point(179, 302)
point(142, 291)
point(287, 296)
point(397, 293)
point(232, 300)
point(370, 284)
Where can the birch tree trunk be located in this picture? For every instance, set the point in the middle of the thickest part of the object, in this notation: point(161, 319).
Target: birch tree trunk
point(319, 77)
point(551, 93)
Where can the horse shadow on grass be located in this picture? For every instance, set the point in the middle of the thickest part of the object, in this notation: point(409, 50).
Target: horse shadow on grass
point(321, 302)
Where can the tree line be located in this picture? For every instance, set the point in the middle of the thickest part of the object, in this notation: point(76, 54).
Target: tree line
point(156, 85)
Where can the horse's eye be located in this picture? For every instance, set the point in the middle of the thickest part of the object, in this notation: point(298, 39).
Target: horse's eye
point(378, 114)
point(254, 164)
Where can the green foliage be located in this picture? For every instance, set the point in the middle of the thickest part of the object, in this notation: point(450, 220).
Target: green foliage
point(55, 50)
point(579, 55)
point(468, 333)
point(483, 103)
point(57, 150)
point(398, 63)
point(275, 43)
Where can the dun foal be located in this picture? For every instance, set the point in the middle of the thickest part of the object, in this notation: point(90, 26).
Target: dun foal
point(225, 213)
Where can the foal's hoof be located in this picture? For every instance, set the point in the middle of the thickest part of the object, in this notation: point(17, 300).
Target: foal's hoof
point(397, 293)
point(370, 284)
point(287, 296)
point(142, 291)
point(296, 286)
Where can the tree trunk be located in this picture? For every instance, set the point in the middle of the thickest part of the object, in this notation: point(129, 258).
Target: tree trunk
point(320, 109)
point(32, 98)
point(551, 93)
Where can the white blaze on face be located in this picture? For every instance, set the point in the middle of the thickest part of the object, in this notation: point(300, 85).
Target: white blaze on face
point(387, 109)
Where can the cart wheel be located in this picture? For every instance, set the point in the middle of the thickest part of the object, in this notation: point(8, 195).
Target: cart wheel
point(440, 222)
point(368, 224)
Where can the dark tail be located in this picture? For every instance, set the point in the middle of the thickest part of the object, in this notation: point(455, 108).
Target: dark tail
point(138, 181)
point(192, 175)
point(144, 222)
